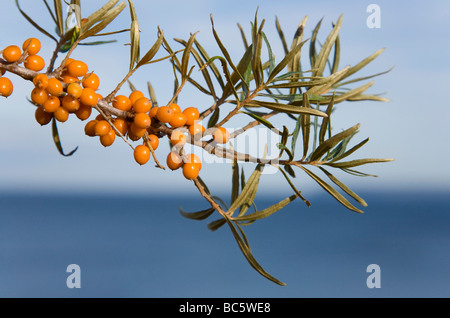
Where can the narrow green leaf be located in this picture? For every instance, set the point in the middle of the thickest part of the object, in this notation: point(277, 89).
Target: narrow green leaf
point(298, 193)
point(363, 78)
point(349, 152)
point(215, 225)
point(344, 187)
point(244, 38)
point(361, 97)
point(241, 68)
point(214, 118)
point(284, 148)
point(312, 46)
point(31, 21)
point(226, 73)
point(337, 54)
point(324, 53)
point(152, 52)
point(186, 55)
point(135, 43)
point(284, 62)
point(286, 108)
point(266, 212)
point(330, 80)
point(289, 170)
point(249, 256)
point(363, 63)
point(213, 67)
point(281, 34)
point(340, 148)
point(247, 194)
point(306, 125)
point(51, 12)
point(295, 134)
point(339, 197)
point(326, 121)
point(331, 142)
point(57, 140)
point(152, 95)
point(358, 173)
point(256, 57)
point(201, 215)
point(357, 162)
point(97, 42)
point(98, 15)
point(105, 21)
point(205, 187)
point(243, 182)
point(234, 181)
point(59, 16)
point(263, 121)
point(353, 93)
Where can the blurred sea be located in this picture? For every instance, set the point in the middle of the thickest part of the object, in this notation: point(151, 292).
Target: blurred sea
point(140, 246)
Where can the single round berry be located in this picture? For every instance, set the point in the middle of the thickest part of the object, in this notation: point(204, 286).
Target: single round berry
point(178, 120)
point(40, 81)
point(33, 45)
point(108, 139)
point(12, 53)
point(136, 132)
point(190, 171)
point(165, 114)
point(142, 105)
point(174, 161)
point(122, 102)
point(142, 154)
point(83, 112)
point(51, 104)
point(6, 87)
point(74, 90)
point(191, 114)
point(142, 120)
point(35, 63)
point(178, 138)
point(154, 141)
point(91, 81)
point(77, 68)
point(193, 158)
point(121, 125)
point(39, 96)
point(89, 129)
point(196, 129)
point(102, 128)
point(175, 108)
point(54, 87)
point(89, 97)
point(70, 104)
point(42, 117)
point(153, 112)
point(221, 135)
point(61, 114)
point(67, 78)
point(135, 95)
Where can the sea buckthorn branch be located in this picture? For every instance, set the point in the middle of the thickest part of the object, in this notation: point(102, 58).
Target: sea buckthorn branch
point(260, 90)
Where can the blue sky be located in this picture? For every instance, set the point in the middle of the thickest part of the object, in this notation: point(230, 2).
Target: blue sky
point(412, 128)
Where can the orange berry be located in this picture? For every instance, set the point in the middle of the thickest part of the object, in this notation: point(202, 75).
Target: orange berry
point(178, 120)
point(51, 104)
point(84, 112)
point(61, 114)
point(142, 105)
point(102, 128)
point(91, 81)
point(40, 81)
point(221, 135)
point(193, 158)
point(6, 87)
point(74, 90)
point(70, 104)
point(108, 139)
point(39, 96)
point(89, 97)
point(174, 160)
point(122, 102)
point(35, 63)
point(42, 117)
point(135, 95)
point(136, 132)
point(142, 120)
point(196, 129)
point(12, 53)
point(100, 97)
point(77, 68)
point(68, 61)
point(121, 125)
point(67, 78)
point(191, 114)
point(164, 114)
point(142, 154)
point(89, 129)
point(153, 112)
point(154, 141)
point(100, 117)
point(175, 108)
point(54, 87)
point(33, 45)
point(190, 171)
point(178, 138)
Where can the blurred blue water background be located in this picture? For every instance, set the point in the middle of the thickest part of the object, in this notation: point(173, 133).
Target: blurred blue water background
point(140, 246)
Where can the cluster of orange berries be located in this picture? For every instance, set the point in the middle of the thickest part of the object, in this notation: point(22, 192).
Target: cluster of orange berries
point(27, 55)
point(74, 94)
